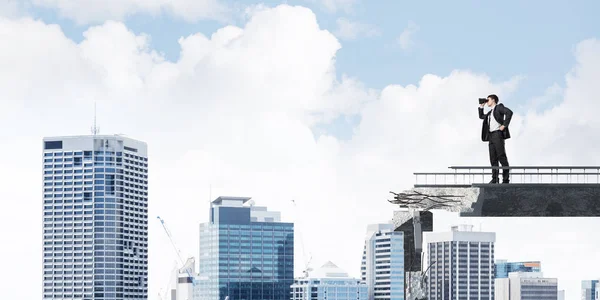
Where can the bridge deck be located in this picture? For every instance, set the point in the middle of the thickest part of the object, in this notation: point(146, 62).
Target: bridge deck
point(532, 191)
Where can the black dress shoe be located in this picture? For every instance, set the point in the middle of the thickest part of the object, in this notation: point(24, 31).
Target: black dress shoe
point(494, 181)
point(505, 181)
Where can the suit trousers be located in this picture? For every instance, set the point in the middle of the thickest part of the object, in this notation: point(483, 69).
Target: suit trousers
point(498, 154)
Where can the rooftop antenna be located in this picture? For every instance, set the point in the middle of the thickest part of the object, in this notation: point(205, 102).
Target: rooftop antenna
point(95, 129)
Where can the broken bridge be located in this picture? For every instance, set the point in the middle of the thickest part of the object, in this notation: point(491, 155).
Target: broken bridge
point(533, 191)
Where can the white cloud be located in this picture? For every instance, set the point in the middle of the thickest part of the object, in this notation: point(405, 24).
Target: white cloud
point(91, 11)
point(237, 111)
point(349, 30)
point(406, 38)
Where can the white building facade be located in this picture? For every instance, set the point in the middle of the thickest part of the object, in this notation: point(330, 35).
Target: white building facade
point(461, 264)
point(382, 267)
point(526, 286)
point(95, 218)
point(329, 283)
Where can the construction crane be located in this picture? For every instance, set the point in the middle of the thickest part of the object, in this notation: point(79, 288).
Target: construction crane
point(187, 270)
point(163, 293)
point(307, 267)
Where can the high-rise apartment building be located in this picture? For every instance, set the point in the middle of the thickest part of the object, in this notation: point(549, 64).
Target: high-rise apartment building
point(589, 289)
point(503, 267)
point(329, 283)
point(246, 252)
point(526, 286)
point(382, 267)
point(461, 264)
point(95, 218)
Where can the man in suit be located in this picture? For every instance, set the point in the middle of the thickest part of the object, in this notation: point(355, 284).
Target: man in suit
point(495, 131)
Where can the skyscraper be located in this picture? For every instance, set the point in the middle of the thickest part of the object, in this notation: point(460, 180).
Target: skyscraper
point(462, 264)
point(329, 283)
point(95, 218)
point(382, 267)
point(246, 252)
point(588, 289)
point(526, 286)
point(503, 267)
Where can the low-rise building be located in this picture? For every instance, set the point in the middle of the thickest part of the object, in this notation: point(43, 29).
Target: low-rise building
point(331, 283)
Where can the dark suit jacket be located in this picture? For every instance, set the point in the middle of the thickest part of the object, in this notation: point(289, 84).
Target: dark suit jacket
point(502, 114)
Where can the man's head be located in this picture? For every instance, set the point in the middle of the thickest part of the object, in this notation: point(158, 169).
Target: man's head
point(492, 100)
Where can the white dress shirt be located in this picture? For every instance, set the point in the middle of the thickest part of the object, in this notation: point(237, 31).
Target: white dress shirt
point(494, 125)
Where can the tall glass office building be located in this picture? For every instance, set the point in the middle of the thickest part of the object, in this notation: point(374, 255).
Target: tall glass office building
point(95, 218)
point(246, 252)
point(503, 267)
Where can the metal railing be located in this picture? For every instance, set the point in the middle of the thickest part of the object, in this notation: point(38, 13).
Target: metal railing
point(469, 175)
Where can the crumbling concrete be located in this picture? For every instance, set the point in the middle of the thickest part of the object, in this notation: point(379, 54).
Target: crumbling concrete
point(518, 200)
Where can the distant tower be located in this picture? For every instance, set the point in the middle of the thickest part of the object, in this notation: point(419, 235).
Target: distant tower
point(526, 286)
point(589, 289)
point(382, 266)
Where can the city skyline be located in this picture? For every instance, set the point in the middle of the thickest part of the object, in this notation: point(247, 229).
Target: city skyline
point(50, 140)
point(283, 102)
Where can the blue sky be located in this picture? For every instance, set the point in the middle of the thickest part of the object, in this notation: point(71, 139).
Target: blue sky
point(501, 39)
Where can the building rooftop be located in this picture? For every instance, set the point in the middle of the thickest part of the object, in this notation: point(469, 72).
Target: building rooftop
point(329, 270)
point(220, 199)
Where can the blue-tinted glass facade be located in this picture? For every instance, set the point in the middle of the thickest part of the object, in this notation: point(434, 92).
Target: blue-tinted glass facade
point(503, 268)
point(95, 219)
point(244, 259)
point(589, 289)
